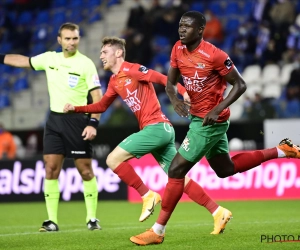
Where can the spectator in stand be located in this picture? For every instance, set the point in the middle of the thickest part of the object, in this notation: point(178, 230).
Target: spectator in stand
point(167, 24)
point(136, 16)
point(282, 14)
point(213, 32)
point(262, 40)
point(261, 10)
point(244, 46)
point(7, 144)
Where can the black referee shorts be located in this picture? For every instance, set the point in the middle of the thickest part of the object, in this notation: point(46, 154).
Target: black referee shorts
point(62, 135)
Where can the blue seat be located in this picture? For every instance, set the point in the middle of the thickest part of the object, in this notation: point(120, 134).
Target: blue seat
point(25, 18)
point(77, 3)
point(247, 8)
point(59, 17)
point(5, 47)
point(216, 8)
point(4, 100)
point(232, 25)
point(59, 3)
point(21, 84)
point(76, 16)
point(197, 7)
point(38, 48)
point(43, 17)
point(232, 8)
point(94, 17)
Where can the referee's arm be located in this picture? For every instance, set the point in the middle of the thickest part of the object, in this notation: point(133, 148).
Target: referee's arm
point(15, 60)
point(96, 96)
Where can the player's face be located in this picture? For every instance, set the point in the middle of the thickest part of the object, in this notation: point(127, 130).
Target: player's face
point(108, 56)
point(69, 40)
point(188, 30)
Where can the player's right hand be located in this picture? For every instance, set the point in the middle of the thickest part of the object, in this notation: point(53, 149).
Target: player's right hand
point(68, 108)
point(181, 108)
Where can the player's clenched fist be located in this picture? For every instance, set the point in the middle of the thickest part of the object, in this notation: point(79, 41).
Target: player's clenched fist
point(68, 108)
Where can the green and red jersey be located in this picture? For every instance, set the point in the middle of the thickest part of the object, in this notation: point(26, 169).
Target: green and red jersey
point(133, 84)
point(202, 71)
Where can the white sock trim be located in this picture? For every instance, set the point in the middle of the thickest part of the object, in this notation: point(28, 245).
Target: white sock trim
point(281, 154)
point(215, 212)
point(159, 229)
point(146, 194)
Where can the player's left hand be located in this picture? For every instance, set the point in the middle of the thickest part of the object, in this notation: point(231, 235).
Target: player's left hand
point(210, 118)
point(181, 108)
point(89, 133)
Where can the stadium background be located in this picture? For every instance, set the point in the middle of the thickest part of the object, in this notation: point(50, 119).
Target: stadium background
point(265, 52)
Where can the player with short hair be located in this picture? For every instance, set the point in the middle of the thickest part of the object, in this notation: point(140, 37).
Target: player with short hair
point(133, 82)
point(205, 70)
point(72, 77)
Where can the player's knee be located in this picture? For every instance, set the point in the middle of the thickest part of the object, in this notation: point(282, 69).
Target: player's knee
point(176, 172)
point(87, 174)
point(224, 173)
point(52, 170)
point(111, 162)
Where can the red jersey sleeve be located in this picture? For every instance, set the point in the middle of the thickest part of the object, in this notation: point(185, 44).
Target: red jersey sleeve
point(222, 62)
point(101, 106)
point(142, 73)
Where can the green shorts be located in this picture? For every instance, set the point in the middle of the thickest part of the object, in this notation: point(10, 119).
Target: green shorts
point(157, 139)
point(205, 141)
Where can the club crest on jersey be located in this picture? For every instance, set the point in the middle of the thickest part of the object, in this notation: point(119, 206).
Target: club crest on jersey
point(185, 144)
point(127, 82)
point(200, 66)
point(143, 69)
point(73, 80)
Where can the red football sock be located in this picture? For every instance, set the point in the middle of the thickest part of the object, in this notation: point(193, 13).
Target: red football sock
point(127, 174)
point(245, 161)
point(172, 195)
point(198, 195)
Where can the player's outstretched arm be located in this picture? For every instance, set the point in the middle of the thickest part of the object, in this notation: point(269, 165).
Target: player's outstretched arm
point(15, 60)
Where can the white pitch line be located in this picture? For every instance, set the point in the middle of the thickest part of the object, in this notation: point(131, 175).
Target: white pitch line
point(111, 227)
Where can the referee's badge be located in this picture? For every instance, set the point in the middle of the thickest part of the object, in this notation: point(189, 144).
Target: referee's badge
point(73, 80)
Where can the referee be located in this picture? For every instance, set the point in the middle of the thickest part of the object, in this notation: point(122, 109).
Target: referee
point(72, 78)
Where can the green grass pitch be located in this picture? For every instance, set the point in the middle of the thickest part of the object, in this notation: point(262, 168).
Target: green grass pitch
point(188, 228)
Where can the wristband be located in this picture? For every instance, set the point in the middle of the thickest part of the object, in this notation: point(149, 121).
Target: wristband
point(94, 123)
point(2, 58)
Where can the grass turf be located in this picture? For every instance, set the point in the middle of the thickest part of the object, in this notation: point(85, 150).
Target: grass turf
point(188, 228)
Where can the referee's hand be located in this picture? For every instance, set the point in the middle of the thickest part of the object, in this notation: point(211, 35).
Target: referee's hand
point(68, 108)
point(89, 133)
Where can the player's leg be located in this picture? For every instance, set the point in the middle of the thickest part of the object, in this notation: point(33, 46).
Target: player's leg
point(225, 166)
point(81, 151)
point(188, 154)
point(164, 156)
point(54, 152)
point(173, 192)
point(90, 191)
point(136, 145)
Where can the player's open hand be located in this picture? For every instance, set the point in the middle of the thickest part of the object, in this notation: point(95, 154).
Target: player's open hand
point(68, 108)
point(181, 108)
point(89, 133)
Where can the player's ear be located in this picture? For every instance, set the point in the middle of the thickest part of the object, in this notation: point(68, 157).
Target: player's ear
point(59, 40)
point(119, 53)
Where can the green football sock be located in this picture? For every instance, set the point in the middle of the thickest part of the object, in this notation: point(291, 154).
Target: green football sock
point(51, 191)
point(91, 198)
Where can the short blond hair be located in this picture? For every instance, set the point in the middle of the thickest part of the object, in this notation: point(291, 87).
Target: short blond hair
point(115, 41)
